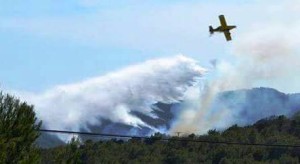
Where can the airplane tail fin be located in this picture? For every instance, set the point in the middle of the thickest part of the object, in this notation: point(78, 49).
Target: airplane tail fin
point(211, 30)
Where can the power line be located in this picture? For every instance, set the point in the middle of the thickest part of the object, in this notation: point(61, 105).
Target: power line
point(170, 139)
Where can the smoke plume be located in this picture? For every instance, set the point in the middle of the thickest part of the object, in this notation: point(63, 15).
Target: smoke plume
point(263, 57)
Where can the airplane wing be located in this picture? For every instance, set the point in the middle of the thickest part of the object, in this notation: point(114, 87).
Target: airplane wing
point(227, 35)
point(222, 21)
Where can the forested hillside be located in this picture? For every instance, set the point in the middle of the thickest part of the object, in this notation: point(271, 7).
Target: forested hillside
point(245, 106)
point(273, 130)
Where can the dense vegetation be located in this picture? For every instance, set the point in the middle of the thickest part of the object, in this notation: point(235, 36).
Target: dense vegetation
point(18, 131)
point(273, 130)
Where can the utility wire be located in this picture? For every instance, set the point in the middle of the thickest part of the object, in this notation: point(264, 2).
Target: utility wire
point(169, 139)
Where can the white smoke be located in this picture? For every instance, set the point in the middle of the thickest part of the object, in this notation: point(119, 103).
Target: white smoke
point(267, 55)
point(115, 95)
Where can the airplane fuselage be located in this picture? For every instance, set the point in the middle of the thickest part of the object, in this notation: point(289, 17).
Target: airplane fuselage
point(223, 29)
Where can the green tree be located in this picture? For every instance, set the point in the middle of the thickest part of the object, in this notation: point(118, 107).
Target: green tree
point(70, 153)
point(18, 131)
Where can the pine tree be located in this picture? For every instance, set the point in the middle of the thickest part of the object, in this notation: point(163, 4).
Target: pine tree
point(70, 153)
point(18, 131)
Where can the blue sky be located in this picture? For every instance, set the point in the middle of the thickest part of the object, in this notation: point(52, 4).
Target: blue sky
point(51, 42)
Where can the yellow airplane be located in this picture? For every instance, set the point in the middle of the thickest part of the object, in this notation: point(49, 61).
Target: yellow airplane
point(223, 28)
